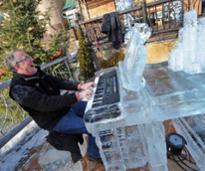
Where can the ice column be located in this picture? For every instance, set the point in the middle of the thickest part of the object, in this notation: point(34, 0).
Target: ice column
point(156, 146)
point(122, 148)
point(123, 4)
point(200, 53)
point(131, 69)
point(189, 54)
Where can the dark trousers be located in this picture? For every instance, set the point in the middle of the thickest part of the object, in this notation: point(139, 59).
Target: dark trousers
point(72, 123)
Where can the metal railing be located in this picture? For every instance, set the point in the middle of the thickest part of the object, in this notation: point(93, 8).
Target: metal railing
point(11, 114)
point(163, 16)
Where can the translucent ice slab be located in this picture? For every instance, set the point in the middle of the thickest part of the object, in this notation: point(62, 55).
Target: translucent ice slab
point(193, 130)
point(122, 148)
point(167, 95)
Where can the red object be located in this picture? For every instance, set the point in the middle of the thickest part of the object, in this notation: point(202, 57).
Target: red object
point(97, 44)
point(56, 54)
point(3, 71)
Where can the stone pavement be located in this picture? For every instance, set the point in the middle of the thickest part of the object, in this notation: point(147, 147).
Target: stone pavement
point(46, 158)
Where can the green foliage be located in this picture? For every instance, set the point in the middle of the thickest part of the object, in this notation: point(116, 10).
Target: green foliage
point(113, 60)
point(85, 58)
point(21, 28)
point(10, 112)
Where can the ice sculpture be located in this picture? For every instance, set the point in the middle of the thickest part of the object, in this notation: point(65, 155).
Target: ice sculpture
point(131, 69)
point(123, 4)
point(189, 54)
point(128, 22)
point(136, 137)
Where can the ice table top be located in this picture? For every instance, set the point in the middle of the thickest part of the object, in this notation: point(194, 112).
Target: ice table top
point(167, 95)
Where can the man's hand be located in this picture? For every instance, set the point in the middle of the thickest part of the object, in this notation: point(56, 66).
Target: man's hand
point(86, 86)
point(84, 95)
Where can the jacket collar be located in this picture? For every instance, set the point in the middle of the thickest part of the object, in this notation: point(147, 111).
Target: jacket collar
point(36, 76)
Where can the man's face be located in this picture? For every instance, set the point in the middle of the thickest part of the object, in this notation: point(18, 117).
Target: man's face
point(25, 65)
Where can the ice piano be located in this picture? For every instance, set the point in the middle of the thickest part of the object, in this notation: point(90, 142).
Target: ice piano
point(127, 110)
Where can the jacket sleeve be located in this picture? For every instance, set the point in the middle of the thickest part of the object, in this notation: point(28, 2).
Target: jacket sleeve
point(32, 98)
point(62, 83)
point(105, 27)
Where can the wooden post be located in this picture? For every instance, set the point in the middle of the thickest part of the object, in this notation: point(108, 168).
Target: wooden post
point(81, 11)
point(189, 5)
point(115, 5)
point(75, 33)
point(86, 6)
point(144, 12)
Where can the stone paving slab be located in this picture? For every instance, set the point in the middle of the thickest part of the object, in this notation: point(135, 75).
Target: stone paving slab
point(46, 158)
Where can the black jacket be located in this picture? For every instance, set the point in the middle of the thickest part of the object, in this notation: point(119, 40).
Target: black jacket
point(111, 26)
point(39, 95)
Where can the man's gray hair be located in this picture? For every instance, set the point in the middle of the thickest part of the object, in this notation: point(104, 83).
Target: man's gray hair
point(11, 59)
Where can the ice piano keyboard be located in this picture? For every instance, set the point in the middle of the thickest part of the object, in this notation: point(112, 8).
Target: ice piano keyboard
point(105, 99)
point(121, 146)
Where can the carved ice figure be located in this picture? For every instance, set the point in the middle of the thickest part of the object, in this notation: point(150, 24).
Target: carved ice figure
point(131, 69)
point(200, 53)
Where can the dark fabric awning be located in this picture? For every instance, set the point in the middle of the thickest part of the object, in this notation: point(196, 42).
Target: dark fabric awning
point(69, 5)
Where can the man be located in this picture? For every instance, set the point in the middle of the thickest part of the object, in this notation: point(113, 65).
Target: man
point(39, 94)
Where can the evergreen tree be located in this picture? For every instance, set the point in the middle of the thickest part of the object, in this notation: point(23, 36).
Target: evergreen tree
point(22, 28)
point(85, 58)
